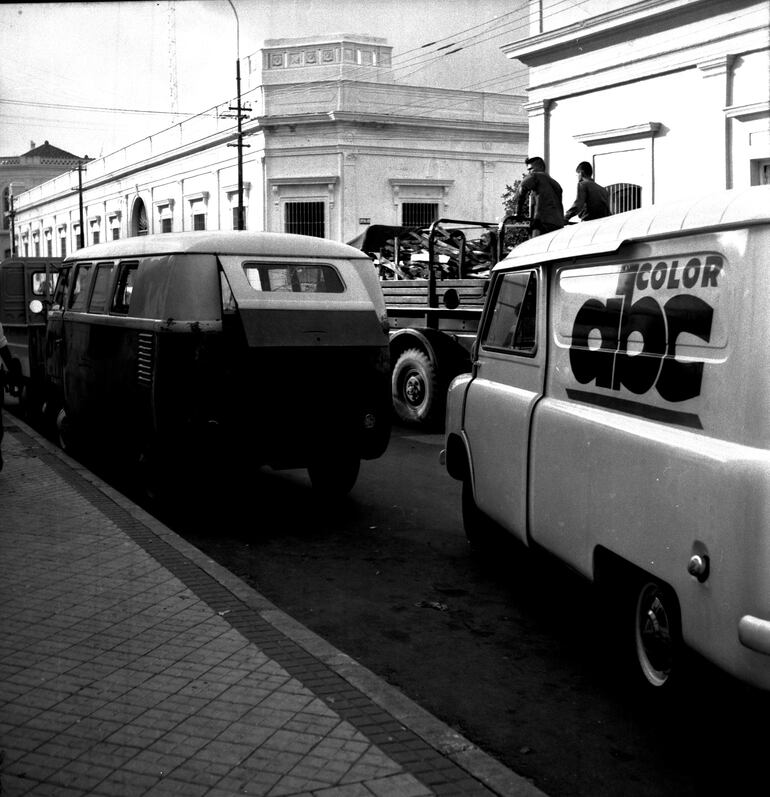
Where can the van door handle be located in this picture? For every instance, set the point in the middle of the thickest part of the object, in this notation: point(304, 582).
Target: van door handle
point(475, 368)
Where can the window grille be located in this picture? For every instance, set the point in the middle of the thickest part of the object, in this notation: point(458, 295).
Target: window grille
point(115, 233)
point(142, 225)
point(63, 242)
point(96, 236)
point(199, 221)
point(624, 196)
point(49, 247)
point(235, 218)
point(418, 214)
point(165, 225)
point(305, 218)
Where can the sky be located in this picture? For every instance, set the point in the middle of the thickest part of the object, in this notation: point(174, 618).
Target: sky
point(91, 78)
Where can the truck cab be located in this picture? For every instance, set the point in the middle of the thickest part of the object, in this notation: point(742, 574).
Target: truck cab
point(26, 287)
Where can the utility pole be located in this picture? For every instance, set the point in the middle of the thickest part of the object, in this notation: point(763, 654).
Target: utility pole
point(172, 70)
point(80, 193)
point(239, 115)
point(11, 215)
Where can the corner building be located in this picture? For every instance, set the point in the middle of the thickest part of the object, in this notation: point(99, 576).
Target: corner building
point(333, 143)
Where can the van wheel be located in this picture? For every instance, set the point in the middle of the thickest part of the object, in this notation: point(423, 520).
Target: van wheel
point(415, 388)
point(334, 476)
point(657, 634)
point(479, 529)
point(64, 435)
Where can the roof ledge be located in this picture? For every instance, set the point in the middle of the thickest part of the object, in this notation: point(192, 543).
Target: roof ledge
point(544, 47)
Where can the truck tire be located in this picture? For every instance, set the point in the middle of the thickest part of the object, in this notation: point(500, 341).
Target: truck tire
point(415, 389)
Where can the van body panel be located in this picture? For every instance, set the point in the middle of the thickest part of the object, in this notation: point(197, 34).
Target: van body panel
point(651, 439)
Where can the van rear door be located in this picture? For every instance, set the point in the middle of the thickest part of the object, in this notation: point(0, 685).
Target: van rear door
point(509, 374)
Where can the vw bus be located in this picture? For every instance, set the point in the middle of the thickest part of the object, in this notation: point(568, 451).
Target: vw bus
point(176, 348)
point(617, 417)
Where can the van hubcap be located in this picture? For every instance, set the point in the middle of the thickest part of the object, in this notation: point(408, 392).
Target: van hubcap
point(654, 642)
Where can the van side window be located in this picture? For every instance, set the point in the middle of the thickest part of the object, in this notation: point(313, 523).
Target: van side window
point(511, 325)
point(79, 293)
point(294, 279)
point(124, 287)
point(61, 289)
point(102, 282)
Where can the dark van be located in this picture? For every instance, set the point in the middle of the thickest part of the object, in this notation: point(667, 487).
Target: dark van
point(26, 285)
point(272, 348)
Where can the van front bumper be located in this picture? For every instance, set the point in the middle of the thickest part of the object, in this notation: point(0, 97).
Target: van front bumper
point(754, 634)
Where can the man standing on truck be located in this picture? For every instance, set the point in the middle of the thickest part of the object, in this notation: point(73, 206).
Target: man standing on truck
point(11, 366)
point(548, 212)
point(592, 200)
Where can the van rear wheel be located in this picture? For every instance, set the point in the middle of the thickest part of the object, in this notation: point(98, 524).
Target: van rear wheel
point(657, 634)
point(64, 434)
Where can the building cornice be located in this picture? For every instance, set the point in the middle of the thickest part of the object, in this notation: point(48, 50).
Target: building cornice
point(542, 47)
point(388, 120)
point(644, 130)
point(744, 113)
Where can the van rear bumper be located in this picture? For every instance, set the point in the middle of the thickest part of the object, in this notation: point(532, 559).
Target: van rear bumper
point(754, 634)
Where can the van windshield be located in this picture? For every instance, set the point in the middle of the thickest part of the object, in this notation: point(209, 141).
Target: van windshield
point(282, 277)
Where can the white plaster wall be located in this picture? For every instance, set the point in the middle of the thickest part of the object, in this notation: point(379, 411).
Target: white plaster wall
point(685, 155)
point(751, 77)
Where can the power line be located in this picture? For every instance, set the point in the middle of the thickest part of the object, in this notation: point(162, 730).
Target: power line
point(98, 108)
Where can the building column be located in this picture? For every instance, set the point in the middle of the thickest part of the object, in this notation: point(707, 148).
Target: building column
point(539, 113)
point(719, 71)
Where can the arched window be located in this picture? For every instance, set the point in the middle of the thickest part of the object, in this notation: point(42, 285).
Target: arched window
point(624, 196)
point(139, 224)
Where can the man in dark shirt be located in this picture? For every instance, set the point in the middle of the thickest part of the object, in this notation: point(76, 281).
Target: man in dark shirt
point(592, 201)
point(548, 212)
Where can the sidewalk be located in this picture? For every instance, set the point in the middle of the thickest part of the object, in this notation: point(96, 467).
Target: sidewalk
point(131, 664)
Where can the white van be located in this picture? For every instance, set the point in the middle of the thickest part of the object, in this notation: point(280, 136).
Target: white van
point(618, 416)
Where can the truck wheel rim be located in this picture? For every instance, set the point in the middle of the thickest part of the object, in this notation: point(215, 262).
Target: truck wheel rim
point(654, 639)
point(414, 389)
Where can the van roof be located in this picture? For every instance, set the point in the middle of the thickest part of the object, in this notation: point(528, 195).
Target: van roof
point(722, 210)
point(220, 243)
